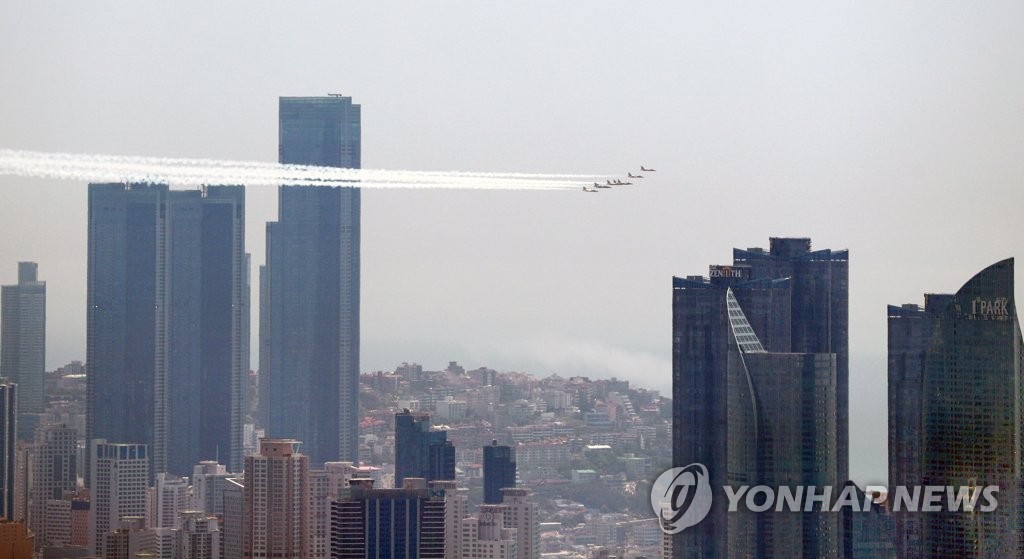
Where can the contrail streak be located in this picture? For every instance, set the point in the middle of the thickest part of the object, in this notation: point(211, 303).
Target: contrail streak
point(196, 172)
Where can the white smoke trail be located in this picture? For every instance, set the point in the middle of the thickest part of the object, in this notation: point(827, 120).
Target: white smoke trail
point(196, 172)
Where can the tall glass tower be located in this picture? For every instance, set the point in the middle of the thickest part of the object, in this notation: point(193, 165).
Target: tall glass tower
point(956, 400)
point(754, 400)
point(309, 352)
point(166, 300)
point(820, 319)
point(911, 328)
point(23, 339)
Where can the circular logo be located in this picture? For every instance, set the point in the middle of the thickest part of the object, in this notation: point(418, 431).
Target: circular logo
point(681, 497)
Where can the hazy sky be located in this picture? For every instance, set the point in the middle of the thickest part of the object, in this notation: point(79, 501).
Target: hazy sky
point(894, 131)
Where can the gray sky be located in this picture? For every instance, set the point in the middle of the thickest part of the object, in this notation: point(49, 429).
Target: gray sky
point(894, 131)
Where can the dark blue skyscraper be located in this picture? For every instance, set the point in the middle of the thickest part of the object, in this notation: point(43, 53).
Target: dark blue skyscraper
point(421, 452)
point(309, 353)
point(386, 523)
point(207, 324)
point(122, 317)
point(911, 329)
point(440, 457)
point(753, 402)
point(165, 321)
point(820, 312)
point(499, 471)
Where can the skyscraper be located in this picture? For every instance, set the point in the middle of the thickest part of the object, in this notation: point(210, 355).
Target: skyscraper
point(263, 346)
point(820, 307)
point(956, 395)
point(54, 471)
point(8, 448)
point(421, 452)
point(276, 514)
point(171, 498)
point(165, 320)
point(23, 338)
point(119, 489)
point(752, 406)
point(310, 292)
point(910, 334)
point(373, 523)
point(499, 471)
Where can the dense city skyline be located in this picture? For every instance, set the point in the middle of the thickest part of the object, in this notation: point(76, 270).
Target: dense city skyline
point(864, 128)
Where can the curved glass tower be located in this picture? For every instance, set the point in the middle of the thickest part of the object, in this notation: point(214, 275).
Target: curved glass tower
point(973, 399)
point(955, 405)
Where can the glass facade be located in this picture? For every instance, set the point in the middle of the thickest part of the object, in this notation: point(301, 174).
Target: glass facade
point(957, 370)
point(820, 312)
point(165, 321)
point(386, 523)
point(309, 302)
point(421, 452)
point(910, 332)
point(23, 340)
point(499, 471)
point(123, 299)
point(754, 401)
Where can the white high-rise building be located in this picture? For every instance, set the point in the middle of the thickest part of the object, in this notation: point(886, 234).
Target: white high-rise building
point(456, 508)
point(521, 514)
point(485, 535)
point(163, 543)
point(120, 487)
point(172, 497)
point(198, 537)
point(209, 479)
